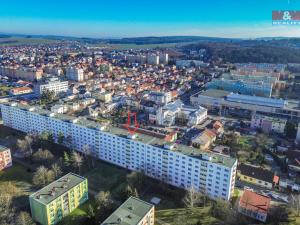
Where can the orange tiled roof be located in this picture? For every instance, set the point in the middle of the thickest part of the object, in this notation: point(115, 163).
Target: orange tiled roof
point(19, 89)
point(209, 133)
point(254, 202)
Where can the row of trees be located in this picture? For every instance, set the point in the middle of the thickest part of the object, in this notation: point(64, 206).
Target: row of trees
point(44, 176)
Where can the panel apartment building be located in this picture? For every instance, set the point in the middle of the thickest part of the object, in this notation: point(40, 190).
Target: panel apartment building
point(50, 204)
point(134, 212)
point(179, 165)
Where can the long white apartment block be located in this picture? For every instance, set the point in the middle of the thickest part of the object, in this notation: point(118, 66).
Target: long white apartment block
point(179, 165)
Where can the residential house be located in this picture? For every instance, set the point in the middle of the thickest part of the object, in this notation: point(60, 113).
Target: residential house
point(257, 176)
point(254, 205)
point(204, 139)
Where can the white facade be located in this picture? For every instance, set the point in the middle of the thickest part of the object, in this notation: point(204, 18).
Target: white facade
point(164, 58)
point(268, 124)
point(59, 108)
point(153, 59)
point(75, 74)
point(52, 85)
point(160, 98)
point(168, 114)
point(181, 166)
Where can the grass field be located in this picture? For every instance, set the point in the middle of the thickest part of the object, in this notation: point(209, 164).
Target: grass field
point(22, 179)
point(105, 177)
point(12, 41)
point(135, 46)
point(16, 173)
point(185, 216)
point(78, 216)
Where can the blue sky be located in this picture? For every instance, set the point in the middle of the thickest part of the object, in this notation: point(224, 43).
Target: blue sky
point(128, 18)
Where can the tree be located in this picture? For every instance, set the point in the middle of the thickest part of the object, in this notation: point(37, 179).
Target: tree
point(278, 214)
point(192, 198)
point(128, 191)
point(104, 203)
point(135, 193)
point(21, 145)
point(28, 139)
point(136, 179)
point(56, 170)
point(91, 214)
point(43, 176)
point(24, 219)
point(25, 145)
point(8, 191)
point(290, 130)
point(67, 160)
point(47, 97)
point(103, 200)
point(47, 136)
point(43, 155)
point(61, 138)
point(89, 157)
point(76, 160)
point(220, 209)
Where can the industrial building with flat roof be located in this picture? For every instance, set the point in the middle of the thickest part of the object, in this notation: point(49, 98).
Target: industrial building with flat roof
point(225, 101)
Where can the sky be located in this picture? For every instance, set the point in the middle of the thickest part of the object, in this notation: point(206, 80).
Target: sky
point(136, 18)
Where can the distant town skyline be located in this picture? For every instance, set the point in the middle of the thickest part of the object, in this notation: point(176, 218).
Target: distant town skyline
point(132, 18)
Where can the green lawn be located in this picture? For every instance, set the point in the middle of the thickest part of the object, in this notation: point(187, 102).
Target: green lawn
point(78, 216)
point(167, 201)
point(134, 46)
point(22, 179)
point(185, 216)
point(105, 177)
point(12, 41)
point(16, 173)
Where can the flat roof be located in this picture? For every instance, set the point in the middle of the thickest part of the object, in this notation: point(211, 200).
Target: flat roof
point(131, 212)
point(215, 93)
point(255, 100)
point(141, 137)
point(57, 188)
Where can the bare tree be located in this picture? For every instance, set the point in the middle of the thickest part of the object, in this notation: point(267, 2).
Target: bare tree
point(56, 170)
point(89, 155)
point(8, 191)
point(77, 160)
point(103, 199)
point(191, 198)
point(28, 139)
point(43, 176)
point(43, 155)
